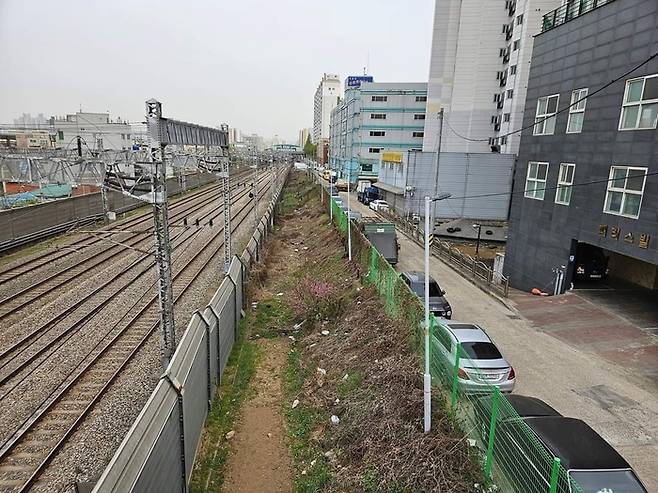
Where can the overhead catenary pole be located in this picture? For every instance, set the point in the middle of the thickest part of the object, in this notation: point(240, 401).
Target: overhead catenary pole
point(226, 193)
point(161, 230)
point(256, 197)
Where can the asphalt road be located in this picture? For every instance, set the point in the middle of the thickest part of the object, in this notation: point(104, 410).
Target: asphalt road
point(577, 383)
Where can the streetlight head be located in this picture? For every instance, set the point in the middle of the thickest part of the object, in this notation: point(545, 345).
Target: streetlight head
point(443, 196)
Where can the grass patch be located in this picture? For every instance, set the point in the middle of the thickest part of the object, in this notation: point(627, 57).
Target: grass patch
point(272, 318)
point(301, 422)
point(208, 472)
point(352, 382)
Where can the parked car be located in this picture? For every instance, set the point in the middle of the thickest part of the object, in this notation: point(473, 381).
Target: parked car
point(591, 263)
point(481, 365)
point(355, 215)
point(590, 461)
point(378, 205)
point(439, 306)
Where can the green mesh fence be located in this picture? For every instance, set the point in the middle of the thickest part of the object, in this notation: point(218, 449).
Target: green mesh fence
point(512, 456)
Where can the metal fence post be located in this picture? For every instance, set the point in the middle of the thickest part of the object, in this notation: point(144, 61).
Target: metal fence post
point(208, 375)
point(178, 388)
point(492, 432)
point(219, 344)
point(455, 378)
point(555, 473)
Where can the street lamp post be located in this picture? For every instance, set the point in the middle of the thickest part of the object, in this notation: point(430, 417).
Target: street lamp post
point(349, 221)
point(477, 243)
point(427, 378)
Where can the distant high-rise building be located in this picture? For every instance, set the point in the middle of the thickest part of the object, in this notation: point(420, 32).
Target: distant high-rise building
point(233, 135)
point(479, 69)
point(304, 134)
point(326, 99)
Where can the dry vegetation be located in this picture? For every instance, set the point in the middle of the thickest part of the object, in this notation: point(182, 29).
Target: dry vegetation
point(352, 361)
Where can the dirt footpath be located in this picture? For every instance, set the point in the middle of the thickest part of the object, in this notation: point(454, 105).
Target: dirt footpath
point(259, 459)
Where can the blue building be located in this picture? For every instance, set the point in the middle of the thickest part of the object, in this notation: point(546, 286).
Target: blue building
point(374, 117)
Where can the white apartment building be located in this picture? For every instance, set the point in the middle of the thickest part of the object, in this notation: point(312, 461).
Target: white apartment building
point(304, 133)
point(115, 135)
point(479, 67)
point(326, 99)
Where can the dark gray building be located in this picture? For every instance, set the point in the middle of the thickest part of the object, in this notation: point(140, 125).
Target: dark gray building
point(586, 181)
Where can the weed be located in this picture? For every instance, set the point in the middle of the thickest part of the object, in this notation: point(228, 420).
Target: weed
point(208, 472)
point(301, 422)
point(271, 318)
point(352, 382)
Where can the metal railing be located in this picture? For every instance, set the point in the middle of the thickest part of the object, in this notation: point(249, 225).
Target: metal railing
point(569, 11)
point(463, 263)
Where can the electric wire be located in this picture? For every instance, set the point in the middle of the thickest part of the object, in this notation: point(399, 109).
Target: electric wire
point(605, 86)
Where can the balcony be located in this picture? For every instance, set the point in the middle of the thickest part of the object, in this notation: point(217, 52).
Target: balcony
point(568, 11)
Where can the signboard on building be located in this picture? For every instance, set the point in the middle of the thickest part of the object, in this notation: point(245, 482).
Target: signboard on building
point(392, 157)
point(356, 80)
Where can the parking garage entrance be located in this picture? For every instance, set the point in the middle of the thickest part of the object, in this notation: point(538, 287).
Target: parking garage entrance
point(623, 284)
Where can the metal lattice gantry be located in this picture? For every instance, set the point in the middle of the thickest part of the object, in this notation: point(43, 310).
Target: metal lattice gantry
point(148, 182)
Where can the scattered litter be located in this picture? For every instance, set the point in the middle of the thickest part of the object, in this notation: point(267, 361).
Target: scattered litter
point(304, 472)
point(337, 401)
point(320, 374)
point(330, 454)
point(292, 338)
point(325, 332)
point(269, 435)
point(257, 336)
point(376, 361)
point(305, 248)
point(335, 419)
point(279, 294)
point(299, 325)
point(296, 249)
point(471, 442)
point(358, 302)
point(345, 377)
point(314, 344)
point(230, 434)
point(313, 462)
point(295, 403)
point(359, 289)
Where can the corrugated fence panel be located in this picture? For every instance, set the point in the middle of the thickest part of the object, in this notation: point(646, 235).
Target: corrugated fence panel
point(213, 347)
point(235, 273)
point(227, 328)
point(148, 458)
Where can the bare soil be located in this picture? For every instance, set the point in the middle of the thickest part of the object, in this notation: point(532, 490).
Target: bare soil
point(259, 458)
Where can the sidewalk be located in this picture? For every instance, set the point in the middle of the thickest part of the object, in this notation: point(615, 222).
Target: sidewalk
point(556, 367)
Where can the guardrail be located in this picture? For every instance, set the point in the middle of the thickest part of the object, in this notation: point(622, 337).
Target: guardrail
point(463, 263)
point(158, 452)
point(569, 11)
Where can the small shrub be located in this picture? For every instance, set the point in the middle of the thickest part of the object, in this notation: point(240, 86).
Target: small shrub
point(314, 299)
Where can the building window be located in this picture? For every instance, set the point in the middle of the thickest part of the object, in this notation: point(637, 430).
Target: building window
point(519, 20)
point(418, 134)
point(419, 117)
point(367, 166)
point(577, 111)
point(512, 69)
point(535, 183)
point(380, 98)
point(378, 116)
point(545, 115)
point(564, 182)
point(377, 133)
point(516, 44)
point(625, 189)
point(60, 135)
point(510, 93)
point(373, 150)
point(496, 98)
point(640, 107)
point(506, 117)
point(421, 99)
point(503, 140)
point(499, 75)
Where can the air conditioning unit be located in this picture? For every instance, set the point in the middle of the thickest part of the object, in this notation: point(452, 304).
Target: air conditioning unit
point(500, 105)
point(497, 127)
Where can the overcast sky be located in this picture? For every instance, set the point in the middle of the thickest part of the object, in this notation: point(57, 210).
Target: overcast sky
point(254, 64)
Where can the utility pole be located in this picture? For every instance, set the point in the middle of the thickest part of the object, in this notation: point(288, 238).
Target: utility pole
point(161, 230)
point(256, 197)
point(226, 189)
point(435, 190)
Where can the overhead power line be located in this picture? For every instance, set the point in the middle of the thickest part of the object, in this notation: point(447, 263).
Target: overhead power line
point(622, 76)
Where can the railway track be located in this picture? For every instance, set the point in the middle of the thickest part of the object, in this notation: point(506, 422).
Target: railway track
point(10, 273)
point(21, 354)
point(12, 304)
point(28, 452)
